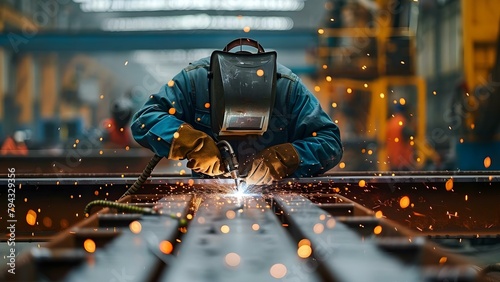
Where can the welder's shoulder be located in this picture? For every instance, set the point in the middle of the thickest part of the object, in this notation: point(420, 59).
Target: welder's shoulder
point(286, 73)
point(201, 64)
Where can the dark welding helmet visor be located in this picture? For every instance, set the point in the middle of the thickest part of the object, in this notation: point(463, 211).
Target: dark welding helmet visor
point(242, 87)
point(122, 111)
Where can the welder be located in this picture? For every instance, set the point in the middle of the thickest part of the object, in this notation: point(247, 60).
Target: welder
point(116, 130)
point(275, 125)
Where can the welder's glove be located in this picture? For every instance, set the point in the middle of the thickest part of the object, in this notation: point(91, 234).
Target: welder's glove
point(198, 148)
point(272, 164)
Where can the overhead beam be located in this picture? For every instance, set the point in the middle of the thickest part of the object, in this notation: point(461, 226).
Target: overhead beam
point(124, 41)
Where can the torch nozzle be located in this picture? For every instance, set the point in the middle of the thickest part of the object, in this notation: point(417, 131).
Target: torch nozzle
point(229, 160)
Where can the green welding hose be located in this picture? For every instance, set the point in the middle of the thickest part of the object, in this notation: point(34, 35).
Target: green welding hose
point(122, 207)
point(144, 175)
point(119, 206)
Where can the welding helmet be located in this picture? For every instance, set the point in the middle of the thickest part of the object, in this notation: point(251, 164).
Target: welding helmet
point(242, 88)
point(121, 111)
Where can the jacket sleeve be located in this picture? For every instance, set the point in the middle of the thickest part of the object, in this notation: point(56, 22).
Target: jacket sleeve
point(154, 125)
point(315, 136)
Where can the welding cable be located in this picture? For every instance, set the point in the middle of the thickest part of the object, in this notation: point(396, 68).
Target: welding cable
point(122, 207)
point(144, 175)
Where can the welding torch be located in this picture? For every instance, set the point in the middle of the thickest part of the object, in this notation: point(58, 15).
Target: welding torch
point(230, 161)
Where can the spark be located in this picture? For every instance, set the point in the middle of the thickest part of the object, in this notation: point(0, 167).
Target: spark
point(487, 162)
point(230, 214)
point(31, 217)
point(135, 227)
point(166, 247)
point(304, 242)
point(331, 223)
point(225, 229)
point(304, 251)
point(318, 228)
point(89, 245)
point(278, 270)
point(404, 202)
point(449, 184)
point(232, 259)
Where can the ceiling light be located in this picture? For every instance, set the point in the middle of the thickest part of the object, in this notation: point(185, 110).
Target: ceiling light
point(196, 22)
point(198, 5)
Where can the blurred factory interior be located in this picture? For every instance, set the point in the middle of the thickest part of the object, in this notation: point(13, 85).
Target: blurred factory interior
point(64, 64)
point(68, 67)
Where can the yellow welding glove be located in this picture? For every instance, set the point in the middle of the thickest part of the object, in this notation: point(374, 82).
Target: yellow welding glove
point(272, 164)
point(198, 148)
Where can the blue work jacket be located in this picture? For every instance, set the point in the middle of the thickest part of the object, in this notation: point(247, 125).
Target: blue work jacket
point(297, 118)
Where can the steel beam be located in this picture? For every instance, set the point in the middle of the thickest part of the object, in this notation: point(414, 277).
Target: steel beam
point(237, 239)
point(122, 252)
point(366, 248)
point(16, 41)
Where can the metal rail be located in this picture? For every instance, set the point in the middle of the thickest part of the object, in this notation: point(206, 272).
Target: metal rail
point(320, 237)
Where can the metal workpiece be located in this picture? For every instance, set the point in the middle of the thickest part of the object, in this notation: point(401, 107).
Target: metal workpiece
point(238, 239)
point(242, 237)
point(109, 246)
point(132, 254)
point(339, 248)
point(367, 248)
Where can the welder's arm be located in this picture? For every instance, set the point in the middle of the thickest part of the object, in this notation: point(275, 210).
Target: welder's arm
point(162, 125)
point(155, 124)
point(315, 137)
point(314, 147)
